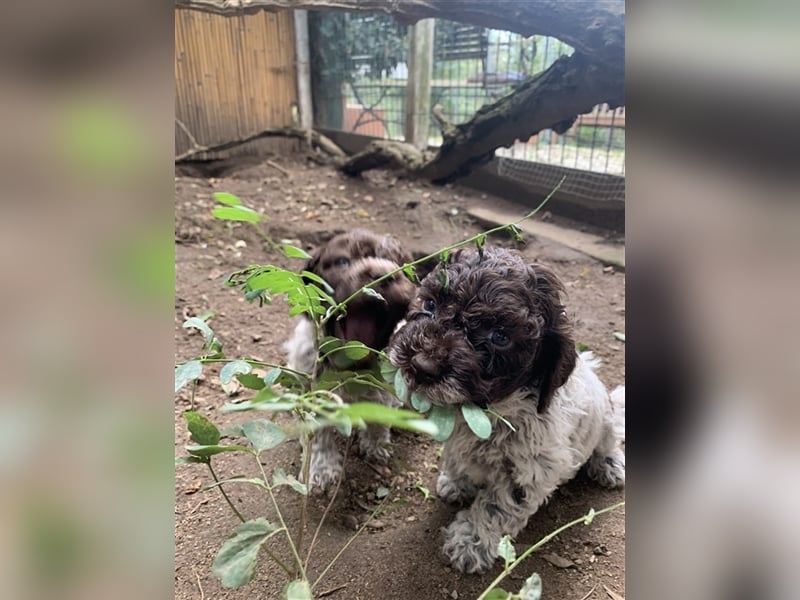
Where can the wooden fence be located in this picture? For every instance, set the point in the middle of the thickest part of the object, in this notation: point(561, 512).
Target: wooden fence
point(234, 76)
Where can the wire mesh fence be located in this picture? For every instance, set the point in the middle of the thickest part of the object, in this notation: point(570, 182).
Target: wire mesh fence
point(360, 73)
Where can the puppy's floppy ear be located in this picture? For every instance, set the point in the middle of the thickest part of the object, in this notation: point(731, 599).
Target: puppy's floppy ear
point(556, 354)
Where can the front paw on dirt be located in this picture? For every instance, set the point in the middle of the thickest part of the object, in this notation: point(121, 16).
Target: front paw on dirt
point(464, 550)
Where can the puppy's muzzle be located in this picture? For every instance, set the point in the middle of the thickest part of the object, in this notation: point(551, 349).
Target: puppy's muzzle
point(425, 369)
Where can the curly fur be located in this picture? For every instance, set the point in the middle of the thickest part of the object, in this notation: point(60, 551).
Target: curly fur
point(489, 329)
point(348, 262)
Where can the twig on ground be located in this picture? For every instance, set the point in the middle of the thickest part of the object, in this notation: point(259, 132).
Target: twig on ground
point(331, 591)
point(199, 585)
point(590, 592)
point(277, 167)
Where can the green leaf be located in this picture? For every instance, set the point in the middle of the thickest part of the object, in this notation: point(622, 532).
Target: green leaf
point(587, 520)
point(294, 252)
point(232, 368)
point(279, 477)
point(368, 291)
point(188, 460)
point(532, 588)
point(506, 551)
point(381, 492)
point(480, 241)
point(236, 213)
point(232, 431)
point(272, 376)
point(201, 429)
point(411, 273)
point(477, 420)
point(582, 347)
point(188, 371)
point(319, 281)
point(444, 256)
point(497, 594)
point(379, 414)
point(516, 231)
point(235, 563)
point(426, 493)
point(298, 590)
point(329, 343)
point(226, 198)
point(257, 481)
point(400, 387)
point(201, 325)
point(251, 381)
point(444, 417)
point(355, 350)
point(443, 279)
point(205, 450)
point(263, 434)
point(388, 371)
point(420, 402)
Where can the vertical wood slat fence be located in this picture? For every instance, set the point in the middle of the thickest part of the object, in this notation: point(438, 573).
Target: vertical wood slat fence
point(234, 76)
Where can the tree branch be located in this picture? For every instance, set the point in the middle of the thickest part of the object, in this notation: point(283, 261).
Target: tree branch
point(550, 100)
point(593, 27)
point(317, 139)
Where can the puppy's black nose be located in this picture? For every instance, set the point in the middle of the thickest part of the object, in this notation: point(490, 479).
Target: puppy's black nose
point(425, 368)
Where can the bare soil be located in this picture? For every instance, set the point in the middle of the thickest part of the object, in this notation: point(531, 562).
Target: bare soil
point(397, 555)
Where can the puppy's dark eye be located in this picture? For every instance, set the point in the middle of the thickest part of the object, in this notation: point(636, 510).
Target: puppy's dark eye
point(429, 306)
point(342, 261)
point(499, 338)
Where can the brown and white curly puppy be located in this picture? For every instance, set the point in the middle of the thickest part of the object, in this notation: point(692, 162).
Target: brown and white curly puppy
point(347, 262)
point(492, 330)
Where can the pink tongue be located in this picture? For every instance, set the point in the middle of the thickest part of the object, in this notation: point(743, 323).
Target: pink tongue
point(359, 327)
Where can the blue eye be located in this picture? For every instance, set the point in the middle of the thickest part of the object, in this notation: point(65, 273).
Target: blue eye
point(342, 261)
point(498, 338)
point(429, 306)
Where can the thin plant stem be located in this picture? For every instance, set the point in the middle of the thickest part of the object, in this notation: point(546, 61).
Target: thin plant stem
point(277, 507)
point(328, 506)
point(341, 306)
point(224, 495)
point(191, 399)
point(277, 560)
point(541, 543)
point(304, 502)
point(347, 545)
point(255, 363)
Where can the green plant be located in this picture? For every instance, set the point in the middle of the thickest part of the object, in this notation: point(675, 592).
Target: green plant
point(312, 399)
point(532, 587)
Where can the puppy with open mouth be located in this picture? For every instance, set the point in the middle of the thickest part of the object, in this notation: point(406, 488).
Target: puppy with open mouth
point(488, 329)
point(348, 262)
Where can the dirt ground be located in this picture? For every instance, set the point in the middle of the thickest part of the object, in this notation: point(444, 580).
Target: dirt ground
point(397, 555)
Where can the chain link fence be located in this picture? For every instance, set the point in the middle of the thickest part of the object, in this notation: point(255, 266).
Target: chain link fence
point(360, 72)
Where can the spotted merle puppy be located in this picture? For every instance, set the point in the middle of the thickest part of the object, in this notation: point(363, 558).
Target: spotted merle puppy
point(348, 262)
point(491, 330)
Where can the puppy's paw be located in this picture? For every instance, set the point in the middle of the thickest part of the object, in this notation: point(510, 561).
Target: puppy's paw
point(374, 451)
point(464, 549)
point(326, 469)
point(608, 469)
point(455, 491)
